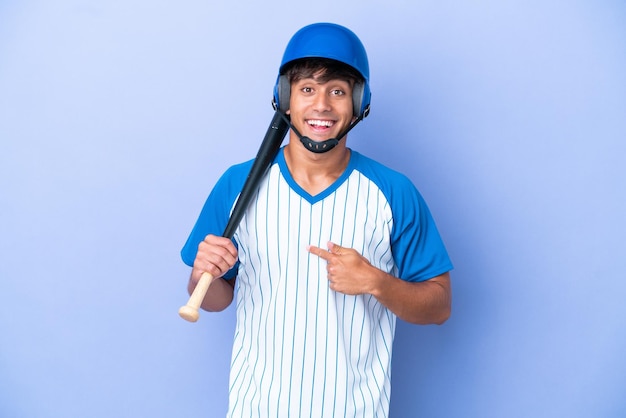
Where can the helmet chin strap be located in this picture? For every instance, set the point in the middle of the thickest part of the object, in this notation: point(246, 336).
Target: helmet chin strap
point(319, 147)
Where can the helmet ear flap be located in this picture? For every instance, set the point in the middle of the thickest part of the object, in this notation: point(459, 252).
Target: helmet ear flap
point(357, 98)
point(361, 99)
point(282, 93)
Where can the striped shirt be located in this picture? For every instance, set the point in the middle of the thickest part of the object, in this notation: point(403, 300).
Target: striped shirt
point(301, 349)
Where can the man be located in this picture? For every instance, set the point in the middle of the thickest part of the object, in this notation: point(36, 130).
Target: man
point(331, 251)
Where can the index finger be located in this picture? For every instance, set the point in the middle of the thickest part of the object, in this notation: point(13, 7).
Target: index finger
point(320, 252)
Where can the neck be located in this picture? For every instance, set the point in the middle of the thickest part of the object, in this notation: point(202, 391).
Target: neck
point(315, 172)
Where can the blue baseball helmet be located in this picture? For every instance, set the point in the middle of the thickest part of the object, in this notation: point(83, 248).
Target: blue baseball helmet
point(332, 41)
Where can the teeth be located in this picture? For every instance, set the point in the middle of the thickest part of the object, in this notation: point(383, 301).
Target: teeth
point(326, 123)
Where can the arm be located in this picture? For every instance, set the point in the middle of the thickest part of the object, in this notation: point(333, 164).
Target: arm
point(216, 255)
point(427, 302)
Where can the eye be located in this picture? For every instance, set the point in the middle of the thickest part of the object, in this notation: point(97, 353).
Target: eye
point(306, 90)
point(337, 92)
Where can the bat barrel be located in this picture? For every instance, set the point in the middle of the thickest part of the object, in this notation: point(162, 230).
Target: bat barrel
point(267, 152)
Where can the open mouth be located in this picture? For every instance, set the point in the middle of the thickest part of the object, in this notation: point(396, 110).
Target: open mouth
point(320, 124)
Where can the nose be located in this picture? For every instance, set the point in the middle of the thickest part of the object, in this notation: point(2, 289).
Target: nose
point(321, 102)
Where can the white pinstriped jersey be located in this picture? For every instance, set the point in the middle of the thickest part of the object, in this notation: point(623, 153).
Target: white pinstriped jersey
point(301, 349)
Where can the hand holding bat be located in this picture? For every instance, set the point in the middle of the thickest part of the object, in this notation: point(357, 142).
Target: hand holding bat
point(215, 256)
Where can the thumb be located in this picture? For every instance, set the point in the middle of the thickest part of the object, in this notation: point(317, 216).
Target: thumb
point(335, 248)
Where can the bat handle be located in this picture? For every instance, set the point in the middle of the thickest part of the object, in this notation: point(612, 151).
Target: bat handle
point(191, 311)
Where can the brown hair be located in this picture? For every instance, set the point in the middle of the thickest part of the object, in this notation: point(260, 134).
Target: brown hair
point(322, 70)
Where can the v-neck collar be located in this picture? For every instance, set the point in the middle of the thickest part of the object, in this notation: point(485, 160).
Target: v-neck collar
point(284, 170)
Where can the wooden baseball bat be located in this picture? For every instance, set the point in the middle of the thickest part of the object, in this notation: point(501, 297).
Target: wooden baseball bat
point(267, 152)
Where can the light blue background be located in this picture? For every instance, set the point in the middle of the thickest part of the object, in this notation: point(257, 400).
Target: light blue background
point(116, 118)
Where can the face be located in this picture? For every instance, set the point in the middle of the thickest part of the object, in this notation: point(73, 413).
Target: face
point(321, 110)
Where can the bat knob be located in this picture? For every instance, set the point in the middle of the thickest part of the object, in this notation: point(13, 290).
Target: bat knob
point(188, 313)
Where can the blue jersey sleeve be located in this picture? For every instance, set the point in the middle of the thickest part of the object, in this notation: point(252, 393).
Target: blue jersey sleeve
point(417, 247)
point(216, 210)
